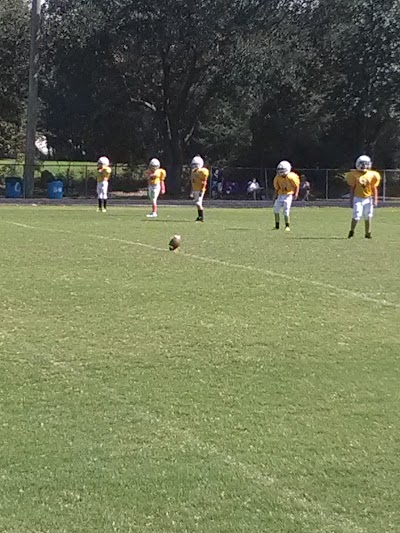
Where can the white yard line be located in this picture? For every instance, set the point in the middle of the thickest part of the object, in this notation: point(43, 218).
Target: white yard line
point(333, 289)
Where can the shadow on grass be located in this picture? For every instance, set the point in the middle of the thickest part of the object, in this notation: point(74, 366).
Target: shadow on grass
point(319, 238)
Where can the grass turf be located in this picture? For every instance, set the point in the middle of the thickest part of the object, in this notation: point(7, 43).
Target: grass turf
point(247, 382)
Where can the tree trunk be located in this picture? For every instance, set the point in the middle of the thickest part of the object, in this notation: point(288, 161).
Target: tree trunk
point(175, 164)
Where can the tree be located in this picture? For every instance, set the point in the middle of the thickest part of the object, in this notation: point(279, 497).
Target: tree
point(360, 49)
point(167, 59)
point(14, 52)
point(330, 92)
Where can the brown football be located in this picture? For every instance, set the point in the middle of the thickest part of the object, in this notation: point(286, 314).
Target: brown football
point(175, 242)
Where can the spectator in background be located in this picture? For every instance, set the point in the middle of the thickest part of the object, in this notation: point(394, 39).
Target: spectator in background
point(253, 188)
point(305, 188)
point(217, 183)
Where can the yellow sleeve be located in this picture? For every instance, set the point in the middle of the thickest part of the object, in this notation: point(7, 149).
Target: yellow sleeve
point(294, 178)
point(276, 185)
point(105, 173)
point(376, 179)
point(205, 173)
point(351, 179)
point(160, 174)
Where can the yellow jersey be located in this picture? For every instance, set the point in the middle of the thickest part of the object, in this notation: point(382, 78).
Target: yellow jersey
point(103, 174)
point(199, 179)
point(363, 182)
point(286, 184)
point(155, 177)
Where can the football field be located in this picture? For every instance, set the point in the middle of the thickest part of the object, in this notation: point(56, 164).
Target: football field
point(248, 382)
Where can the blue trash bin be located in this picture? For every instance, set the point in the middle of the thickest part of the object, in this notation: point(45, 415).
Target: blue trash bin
point(55, 189)
point(14, 188)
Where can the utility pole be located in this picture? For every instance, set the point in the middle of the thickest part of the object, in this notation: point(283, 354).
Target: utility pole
point(32, 112)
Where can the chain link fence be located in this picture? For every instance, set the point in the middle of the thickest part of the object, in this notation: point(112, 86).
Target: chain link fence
point(325, 184)
point(78, 180)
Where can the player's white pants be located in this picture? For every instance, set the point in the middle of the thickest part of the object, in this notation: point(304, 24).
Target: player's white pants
point(283, 201)
point(154, 192)
point(198, 197)
point(102, 190)
point(363, 207)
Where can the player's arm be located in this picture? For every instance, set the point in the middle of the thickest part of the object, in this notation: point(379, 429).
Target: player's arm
point(204, 180)
point(376, 183)
point(375, 196)
point(297, 189)
point(162, 181)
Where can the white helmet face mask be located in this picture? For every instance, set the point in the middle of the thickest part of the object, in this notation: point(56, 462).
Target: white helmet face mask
point(197, 162)
point(154, 163)
point(284, 168)
point(103, 161)
point(363, 163)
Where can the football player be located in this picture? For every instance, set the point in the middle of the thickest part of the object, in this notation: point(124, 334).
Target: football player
point(363, 183)
point(199, 178)
point(286, 187)
point(103, 176)
point(155, 176)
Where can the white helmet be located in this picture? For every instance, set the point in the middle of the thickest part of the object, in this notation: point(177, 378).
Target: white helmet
point(363, 163)
point(283, 168)
point(104, 161)
point(197, 162)
point(154, 163)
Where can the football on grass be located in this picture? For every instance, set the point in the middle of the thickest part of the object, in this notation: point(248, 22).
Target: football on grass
point(175, 242)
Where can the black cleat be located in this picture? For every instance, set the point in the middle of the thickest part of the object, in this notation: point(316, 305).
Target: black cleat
point(199, 219)
point(368, 236)
point(350, 235)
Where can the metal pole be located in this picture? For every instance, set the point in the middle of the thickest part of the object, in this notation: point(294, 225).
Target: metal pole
point(32, 111)
point(384, 187)
point(327, 184)
point(266, 183)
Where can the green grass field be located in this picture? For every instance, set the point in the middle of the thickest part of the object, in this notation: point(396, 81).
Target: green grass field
point(248, 382)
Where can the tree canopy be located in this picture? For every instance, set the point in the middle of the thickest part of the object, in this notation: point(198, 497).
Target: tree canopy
point(14, 52)
point(241, 81)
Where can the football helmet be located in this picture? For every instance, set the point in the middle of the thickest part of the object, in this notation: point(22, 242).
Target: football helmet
point(103, 161)
point(154, 163)
point(283, 168)
point(363, 163)
point(197, 162)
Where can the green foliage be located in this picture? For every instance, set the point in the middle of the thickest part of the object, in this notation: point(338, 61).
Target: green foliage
point(14, 52)
point(156, 65)
point(239, 81)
